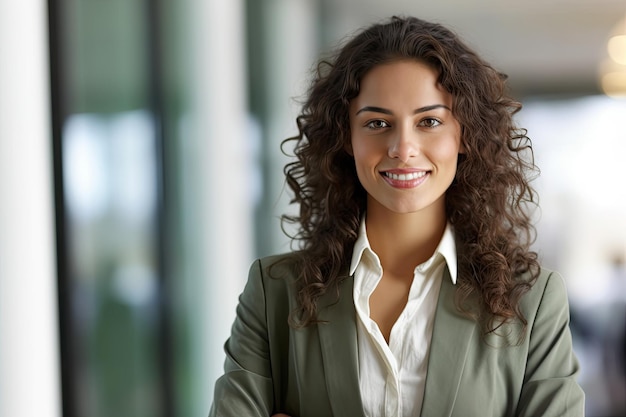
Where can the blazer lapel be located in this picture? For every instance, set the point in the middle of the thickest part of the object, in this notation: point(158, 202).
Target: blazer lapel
point(452, 337)
point(338, 340)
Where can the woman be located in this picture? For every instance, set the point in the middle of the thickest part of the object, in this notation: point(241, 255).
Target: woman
point(414, 292)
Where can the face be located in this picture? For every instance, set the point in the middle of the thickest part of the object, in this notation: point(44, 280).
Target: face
point(404, 138)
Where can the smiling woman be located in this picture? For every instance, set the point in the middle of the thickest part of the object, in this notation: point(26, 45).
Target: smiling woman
point(414, 292)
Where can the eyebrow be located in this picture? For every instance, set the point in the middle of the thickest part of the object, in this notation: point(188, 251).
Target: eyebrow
point(416, 111)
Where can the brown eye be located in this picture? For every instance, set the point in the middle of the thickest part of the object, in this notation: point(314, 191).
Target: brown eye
point(430, 122)
point(377, 124)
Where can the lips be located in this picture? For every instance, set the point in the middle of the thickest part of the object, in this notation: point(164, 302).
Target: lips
point(405, 178)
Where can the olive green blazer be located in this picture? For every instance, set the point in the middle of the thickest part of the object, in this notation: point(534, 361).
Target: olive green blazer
point(271, 367)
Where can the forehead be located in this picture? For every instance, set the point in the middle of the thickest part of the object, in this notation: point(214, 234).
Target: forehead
point(401, 81)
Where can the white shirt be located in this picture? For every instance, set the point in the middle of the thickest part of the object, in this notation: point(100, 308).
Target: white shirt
point(392, 377)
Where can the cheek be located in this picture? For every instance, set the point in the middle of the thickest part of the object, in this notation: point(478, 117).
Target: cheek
point(447, 150)
point(364, 152)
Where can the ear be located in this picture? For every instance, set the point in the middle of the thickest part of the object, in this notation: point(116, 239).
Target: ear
point(348, 148)
point(462, 149)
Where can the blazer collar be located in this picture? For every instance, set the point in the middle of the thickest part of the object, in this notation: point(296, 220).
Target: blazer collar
point(338, 340)
point(452, 337)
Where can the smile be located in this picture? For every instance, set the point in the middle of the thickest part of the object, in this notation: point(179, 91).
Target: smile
point(405, 177)
point(405, 180)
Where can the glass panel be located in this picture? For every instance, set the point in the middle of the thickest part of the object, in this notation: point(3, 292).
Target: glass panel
point(110, 164)
point(110, 191)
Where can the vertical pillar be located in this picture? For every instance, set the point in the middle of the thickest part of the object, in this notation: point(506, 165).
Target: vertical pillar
point(216, 208)
point(29, 369)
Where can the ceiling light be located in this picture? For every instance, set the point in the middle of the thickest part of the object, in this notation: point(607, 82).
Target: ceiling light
point(614, 84)
point(613, 69)
point(617, 49)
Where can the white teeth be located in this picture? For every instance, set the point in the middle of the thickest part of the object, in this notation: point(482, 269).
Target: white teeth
point(406, 177)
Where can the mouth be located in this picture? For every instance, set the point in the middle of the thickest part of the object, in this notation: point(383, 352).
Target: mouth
point(405, 177)
point(405, 180)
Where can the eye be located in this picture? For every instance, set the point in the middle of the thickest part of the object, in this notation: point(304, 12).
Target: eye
point(377, 124)
point(429, 122)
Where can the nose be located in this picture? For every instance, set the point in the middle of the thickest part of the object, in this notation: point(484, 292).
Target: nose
point(404, 145)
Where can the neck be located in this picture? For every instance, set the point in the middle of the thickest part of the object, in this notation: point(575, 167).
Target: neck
point(403, 241)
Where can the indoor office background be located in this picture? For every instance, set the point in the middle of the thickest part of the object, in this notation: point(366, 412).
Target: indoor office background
point(141, 174)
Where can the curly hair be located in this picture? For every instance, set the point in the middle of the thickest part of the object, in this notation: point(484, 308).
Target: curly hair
point(487, 202)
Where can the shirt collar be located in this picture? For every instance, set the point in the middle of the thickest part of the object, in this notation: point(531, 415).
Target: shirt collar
point(446, 248)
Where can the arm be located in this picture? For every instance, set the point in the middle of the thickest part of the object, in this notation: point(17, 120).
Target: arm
point(550, 387)
point(246, 388)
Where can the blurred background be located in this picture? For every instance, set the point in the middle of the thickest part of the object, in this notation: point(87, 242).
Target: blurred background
point(140, 175)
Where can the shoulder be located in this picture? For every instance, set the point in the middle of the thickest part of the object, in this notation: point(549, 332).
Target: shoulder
point(269, 294)
point(548, 284)
point(274, 276)
point(548, 293)
point(283, 266)
point(286, 260)
point(544, 308)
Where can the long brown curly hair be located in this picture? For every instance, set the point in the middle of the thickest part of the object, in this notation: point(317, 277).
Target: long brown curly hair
point(487, 202)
